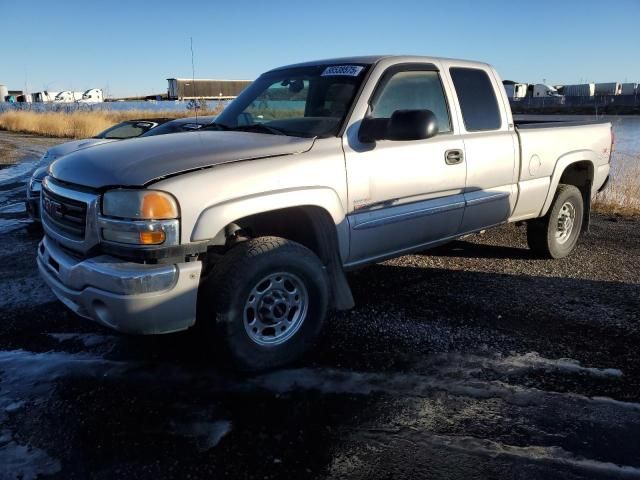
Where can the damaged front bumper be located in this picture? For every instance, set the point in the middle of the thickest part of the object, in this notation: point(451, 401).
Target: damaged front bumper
point(126, 296)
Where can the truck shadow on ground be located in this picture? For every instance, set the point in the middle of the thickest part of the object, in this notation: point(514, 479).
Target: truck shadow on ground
point(461, 248)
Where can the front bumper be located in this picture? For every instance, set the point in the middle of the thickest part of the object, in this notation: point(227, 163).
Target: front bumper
point(126, 296)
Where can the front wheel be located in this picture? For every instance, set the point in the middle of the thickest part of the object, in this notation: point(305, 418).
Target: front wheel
point(271, 297)
point(555, 235)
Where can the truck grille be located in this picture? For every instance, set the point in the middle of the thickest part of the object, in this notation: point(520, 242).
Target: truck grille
point(67, 216)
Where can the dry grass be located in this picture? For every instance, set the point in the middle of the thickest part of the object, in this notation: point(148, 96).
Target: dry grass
point(622, 195)
point(81, 124)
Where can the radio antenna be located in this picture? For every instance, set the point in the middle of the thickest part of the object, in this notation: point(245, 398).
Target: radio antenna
point(193, 80)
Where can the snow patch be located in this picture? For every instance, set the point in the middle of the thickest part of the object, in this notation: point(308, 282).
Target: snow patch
point(87, 340)
point(565, 365)
point(366, 383)
point(26, 375)
point(207, 434)
point(538, 454)
point(15, 171)
point(18, 207)
point(24, 462)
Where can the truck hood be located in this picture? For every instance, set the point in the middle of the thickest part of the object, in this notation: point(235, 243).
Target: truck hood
point(140, 161)
point(66, 148)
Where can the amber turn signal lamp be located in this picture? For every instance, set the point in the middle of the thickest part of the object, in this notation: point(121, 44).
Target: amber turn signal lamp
point(152, 238)
point(157, 205)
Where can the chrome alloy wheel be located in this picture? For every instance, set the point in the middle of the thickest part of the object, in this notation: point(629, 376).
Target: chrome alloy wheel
point(566, 221)
point(275, 309)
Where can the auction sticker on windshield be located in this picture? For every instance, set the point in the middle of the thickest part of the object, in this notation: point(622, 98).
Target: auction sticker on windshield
point(345, 70)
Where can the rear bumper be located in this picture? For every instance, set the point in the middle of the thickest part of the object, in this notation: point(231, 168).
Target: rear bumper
point(126, 296)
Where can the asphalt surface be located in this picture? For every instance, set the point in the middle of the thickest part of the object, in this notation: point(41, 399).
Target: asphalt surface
point(471, 361)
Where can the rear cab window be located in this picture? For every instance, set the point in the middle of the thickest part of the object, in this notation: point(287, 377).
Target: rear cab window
point(477, 98)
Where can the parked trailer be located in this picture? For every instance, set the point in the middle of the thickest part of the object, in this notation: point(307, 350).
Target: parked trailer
point(542, 90)
point(579, 90)
point(45, 96)
point(68, 96)
point(185, 88)
point(93, 95)
point(610, 88)
point(4, 92)
point(629, 89)
point(516, 90)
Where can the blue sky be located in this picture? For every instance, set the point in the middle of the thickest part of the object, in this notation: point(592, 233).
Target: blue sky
point(132, 47)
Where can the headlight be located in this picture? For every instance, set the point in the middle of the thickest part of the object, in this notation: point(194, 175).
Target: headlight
point(143, 217)
point(139, 204)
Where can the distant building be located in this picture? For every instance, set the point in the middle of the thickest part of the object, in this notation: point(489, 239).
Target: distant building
point(187, 88)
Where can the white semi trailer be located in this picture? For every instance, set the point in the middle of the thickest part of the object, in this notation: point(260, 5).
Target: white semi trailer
point(516, 90)
point(68, 96)
point(579, 90)
point(93, 95)
point(45, 96)
point(542, 90)
point(609, 88)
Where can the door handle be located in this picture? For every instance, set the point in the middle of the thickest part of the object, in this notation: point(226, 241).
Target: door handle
point(453, 157)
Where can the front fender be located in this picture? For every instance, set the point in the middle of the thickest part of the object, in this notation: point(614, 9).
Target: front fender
point(561, 165)
point(213, 220)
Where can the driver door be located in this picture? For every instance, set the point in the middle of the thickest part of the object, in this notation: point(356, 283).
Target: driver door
point(404, 195)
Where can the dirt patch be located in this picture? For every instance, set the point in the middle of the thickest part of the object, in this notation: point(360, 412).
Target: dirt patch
point(15, 147)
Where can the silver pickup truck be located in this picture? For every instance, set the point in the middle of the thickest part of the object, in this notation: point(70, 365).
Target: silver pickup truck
point(249, 224)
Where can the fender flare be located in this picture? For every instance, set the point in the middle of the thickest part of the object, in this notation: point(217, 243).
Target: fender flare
point(212, 221)
point(330, 227)
point(562, 164)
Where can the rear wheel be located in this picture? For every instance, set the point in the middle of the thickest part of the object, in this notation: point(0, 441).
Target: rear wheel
point(271, 299)
point(555, 235)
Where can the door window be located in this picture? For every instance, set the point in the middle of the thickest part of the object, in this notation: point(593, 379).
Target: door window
point(413, 90)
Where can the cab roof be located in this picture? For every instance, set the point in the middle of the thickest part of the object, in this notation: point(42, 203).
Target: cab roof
point(373, 59)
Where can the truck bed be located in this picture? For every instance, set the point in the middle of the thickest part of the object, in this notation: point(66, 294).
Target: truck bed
point(546, 147)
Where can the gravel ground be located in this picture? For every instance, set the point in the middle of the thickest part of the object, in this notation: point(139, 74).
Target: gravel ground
point(474, 360)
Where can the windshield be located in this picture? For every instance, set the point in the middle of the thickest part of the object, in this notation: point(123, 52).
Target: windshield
point(303, 102)
point(126, 130)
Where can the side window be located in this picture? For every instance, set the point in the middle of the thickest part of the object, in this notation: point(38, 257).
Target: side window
point(413, 90)
point(477, 99)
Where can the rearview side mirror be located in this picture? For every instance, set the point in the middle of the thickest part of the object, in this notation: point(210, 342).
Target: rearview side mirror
point(404, 125)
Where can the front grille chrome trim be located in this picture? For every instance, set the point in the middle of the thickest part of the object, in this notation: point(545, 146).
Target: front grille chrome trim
point(91, 238)
point(71, 218)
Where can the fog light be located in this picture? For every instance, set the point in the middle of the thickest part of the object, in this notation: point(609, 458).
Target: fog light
point(134, 238)
point(152, 238)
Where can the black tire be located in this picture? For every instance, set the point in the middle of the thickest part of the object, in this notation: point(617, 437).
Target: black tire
point(541, 233)
point(236, 278)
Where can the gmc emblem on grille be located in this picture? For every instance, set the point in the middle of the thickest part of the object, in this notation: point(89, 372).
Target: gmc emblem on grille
point(53, 208)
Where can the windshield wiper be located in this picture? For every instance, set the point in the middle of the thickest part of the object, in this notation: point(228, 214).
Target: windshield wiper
point(215, 126)
point(254, 127)
point(258, 127)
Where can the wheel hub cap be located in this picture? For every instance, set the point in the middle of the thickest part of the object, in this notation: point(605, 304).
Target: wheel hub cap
point(566, 221)
point(275, 309)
